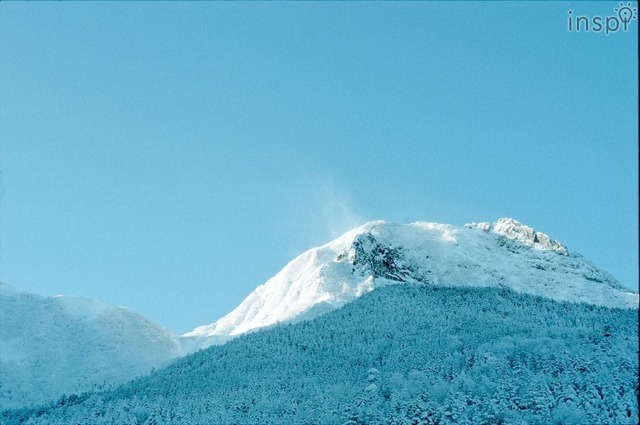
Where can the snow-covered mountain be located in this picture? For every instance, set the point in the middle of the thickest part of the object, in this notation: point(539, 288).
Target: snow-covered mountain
point(505, 254)
point(50, 346)
point(485, 323)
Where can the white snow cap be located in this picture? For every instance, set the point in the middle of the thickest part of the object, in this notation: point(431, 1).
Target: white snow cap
point(505, 253)
point(517, 231)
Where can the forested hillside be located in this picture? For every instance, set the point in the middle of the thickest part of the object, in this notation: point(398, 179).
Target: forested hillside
point(402, 354)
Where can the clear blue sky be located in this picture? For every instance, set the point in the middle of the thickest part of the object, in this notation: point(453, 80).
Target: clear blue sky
point(170, 157)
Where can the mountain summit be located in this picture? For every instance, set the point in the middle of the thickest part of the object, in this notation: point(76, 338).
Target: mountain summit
point(505, 254)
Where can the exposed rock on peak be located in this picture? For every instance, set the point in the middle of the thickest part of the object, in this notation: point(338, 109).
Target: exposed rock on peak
point(514, 230)
point(505, 253)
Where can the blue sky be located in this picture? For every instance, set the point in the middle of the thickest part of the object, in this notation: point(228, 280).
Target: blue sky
point(170, 157)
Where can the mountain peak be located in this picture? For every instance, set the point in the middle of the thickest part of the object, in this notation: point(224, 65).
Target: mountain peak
point(505, 253)
point(514, 230)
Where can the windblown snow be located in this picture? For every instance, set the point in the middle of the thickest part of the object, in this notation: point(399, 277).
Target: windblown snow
point(505, 254)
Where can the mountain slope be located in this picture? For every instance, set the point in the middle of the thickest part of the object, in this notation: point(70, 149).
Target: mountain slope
point(505, 254)
point(400, 354)
point(57, 345)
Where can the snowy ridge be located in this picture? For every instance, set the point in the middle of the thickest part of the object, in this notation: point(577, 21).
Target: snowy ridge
point(517, 231)
point(56, 345)
point(505, 253)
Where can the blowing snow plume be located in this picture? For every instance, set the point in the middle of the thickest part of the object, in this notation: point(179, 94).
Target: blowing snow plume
point(338, 211)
